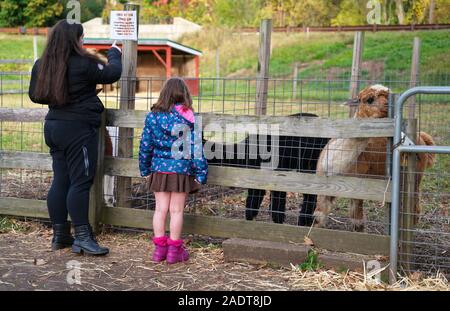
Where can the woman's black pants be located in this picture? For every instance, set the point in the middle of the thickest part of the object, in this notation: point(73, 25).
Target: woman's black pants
point(73, 147)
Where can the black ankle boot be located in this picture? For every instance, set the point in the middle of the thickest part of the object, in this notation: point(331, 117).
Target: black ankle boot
point(61, 236)
point(85, 242)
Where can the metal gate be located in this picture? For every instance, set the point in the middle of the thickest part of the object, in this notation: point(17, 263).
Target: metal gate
point(405, 193)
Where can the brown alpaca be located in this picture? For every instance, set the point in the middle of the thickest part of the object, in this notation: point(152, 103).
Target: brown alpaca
point(363, 156)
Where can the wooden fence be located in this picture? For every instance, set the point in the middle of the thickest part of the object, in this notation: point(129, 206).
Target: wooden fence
point(340, 186)
point(372, 28)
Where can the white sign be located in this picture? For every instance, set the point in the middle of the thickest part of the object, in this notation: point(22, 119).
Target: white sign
point(124, 25)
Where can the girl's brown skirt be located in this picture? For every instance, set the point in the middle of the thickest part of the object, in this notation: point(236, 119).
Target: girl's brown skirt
point(158, 182)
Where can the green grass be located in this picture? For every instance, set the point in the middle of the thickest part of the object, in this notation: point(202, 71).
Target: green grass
point(8, 224)
point(239, 52)
point(311, 262)
point(18, 47)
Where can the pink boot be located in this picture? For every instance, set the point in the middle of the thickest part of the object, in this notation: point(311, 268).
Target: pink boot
point(176, 252)
point(161, 248)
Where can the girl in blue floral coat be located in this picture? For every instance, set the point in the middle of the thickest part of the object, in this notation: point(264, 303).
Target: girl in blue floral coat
point(172, 160)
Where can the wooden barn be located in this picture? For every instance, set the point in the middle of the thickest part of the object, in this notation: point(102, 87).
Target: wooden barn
point(159, 59)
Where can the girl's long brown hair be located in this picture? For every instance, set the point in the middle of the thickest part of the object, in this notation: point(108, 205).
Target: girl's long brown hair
point(174, 91)
point(63, 41)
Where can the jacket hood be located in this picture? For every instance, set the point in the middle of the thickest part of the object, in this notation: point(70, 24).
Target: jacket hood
point(185, 112)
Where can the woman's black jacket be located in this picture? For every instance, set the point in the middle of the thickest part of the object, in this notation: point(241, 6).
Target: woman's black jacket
point(83, 74)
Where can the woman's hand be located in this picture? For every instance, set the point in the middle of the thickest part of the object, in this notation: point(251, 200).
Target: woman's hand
point(114, 45)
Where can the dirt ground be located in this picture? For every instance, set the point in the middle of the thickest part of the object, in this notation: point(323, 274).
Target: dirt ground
point(26, 263)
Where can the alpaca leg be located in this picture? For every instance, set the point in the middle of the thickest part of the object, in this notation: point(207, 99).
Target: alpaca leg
point(308, 206)
point(254, 200)
point(357, 214)
point(111, 148)
point(323, 208)
point(108, 188)
point(278, 206)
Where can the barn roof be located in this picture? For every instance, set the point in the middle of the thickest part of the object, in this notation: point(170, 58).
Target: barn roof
point(149, 42)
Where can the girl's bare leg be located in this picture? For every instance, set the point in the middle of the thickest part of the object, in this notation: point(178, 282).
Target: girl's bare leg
point(161, 210)
point(177, 203)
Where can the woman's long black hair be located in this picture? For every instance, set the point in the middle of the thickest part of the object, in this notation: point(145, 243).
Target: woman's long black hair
point(63, 41)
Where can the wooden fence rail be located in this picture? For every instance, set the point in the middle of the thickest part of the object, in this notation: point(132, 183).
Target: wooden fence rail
point(333, 240)
point(341, 186)
point(373, 28)
point(288, 126)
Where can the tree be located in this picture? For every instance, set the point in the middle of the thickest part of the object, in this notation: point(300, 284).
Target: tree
point(32, 13)
point(442, 11)
point(416, 11)
point(40, 13)
point(11, 13)
point(313, 13)
point(233, 13)
point(351, 13)
point(400, 11)
point(91, 9)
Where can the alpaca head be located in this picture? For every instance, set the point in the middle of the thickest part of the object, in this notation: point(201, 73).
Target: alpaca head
point(373, 102)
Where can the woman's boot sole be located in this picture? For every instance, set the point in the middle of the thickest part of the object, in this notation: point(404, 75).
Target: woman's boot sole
point(58, 246)
point(81, 251)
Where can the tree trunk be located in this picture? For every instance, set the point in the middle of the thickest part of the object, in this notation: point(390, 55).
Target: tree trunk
point(400, 11)
point(431, 14)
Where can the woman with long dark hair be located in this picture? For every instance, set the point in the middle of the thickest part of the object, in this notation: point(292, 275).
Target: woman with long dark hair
point(65, 79)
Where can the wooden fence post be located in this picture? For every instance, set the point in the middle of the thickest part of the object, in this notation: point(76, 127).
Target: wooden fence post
point(35, 44)
point(127, 102)
point(415, 65)
point(410, 187)
point(96, 196)
point(217, 71)
point(262, 83)
point(388, 167)
point(356, 69)
point(294, 80)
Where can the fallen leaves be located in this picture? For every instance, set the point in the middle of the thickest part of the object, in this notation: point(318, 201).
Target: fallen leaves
point(308, 241)
point(39, 262)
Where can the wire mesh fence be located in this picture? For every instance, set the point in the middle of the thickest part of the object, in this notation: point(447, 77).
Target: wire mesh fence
point(319, 97)
point(424, 218)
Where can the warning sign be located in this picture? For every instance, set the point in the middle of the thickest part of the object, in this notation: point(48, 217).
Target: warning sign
point(124, 25)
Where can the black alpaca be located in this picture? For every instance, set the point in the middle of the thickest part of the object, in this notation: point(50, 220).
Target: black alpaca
point(295, 153)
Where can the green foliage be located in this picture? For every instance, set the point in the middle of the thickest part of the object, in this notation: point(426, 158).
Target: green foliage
point(301, 12)
point(91, 9)
point(11, 12)
point(41, 13)
point(231, 13)
point(236, 12)
point(32, 13)
point(311, 262)
point(442, 11)
point(417, 11)
point(351, 13)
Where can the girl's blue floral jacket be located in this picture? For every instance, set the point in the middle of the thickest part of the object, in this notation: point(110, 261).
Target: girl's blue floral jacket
point(161, 134)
